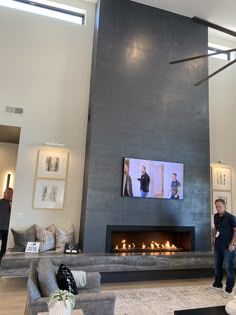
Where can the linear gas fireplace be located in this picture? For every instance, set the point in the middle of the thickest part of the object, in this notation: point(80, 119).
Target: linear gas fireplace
point(149, 239)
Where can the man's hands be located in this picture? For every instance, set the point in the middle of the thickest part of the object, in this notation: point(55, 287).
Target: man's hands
point(231, 247)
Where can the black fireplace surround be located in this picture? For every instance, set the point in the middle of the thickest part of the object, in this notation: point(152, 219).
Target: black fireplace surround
point(183, 237)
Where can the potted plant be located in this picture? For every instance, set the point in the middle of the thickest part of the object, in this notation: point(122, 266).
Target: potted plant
point(61, 302)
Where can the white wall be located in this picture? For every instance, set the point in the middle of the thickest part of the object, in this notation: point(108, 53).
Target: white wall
point(8, 157)
point(45, 67)
point(222, 106)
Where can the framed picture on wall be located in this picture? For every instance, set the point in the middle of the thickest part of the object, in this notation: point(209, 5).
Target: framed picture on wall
point(49, 194)
point(225, 195)
point(221, 178)
point(52, 164)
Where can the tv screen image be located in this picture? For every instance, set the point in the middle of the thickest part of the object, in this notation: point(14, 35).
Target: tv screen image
point(152, 179)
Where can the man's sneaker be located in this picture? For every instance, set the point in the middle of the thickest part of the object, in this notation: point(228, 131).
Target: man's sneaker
point(214, 287)
point(228, 292)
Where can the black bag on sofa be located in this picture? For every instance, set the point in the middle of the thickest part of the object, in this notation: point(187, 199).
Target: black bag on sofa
point(66, 280)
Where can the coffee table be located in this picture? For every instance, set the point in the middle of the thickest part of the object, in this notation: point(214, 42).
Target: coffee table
point(74, 312)
point(215, 310)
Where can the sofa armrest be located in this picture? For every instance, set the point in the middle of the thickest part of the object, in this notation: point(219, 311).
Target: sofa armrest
point(37, 306)
point(93, 281)
point(102, 303)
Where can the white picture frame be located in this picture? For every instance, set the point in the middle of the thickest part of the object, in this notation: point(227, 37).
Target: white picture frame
point(221, 178)
point(49, 194)
point(225, 195)
point(52, 164)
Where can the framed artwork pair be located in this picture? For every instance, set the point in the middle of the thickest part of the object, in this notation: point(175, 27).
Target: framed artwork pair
point(221, 178)
point(50, 181)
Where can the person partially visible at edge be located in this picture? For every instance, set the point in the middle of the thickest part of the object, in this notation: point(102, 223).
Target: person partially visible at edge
point(174, 187)
point(144, 182)
point(127, 182)
point(224, 248)
point(5, 212)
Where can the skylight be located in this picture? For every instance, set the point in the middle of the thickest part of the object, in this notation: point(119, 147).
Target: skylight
point(49, 9)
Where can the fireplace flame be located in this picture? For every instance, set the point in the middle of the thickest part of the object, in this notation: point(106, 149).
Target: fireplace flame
point(123, 244)
point(167, 246)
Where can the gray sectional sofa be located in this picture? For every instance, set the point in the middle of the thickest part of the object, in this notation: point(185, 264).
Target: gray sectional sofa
point(89, 299)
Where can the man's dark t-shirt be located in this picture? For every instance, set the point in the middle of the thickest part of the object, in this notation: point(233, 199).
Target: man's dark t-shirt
point(5, 212)
point(175, 185)
point(224, 225)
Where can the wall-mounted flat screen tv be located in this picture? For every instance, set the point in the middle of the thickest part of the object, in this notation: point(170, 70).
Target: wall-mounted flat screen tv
point(152, 179)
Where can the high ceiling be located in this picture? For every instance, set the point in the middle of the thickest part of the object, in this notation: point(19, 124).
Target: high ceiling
point(216, 11)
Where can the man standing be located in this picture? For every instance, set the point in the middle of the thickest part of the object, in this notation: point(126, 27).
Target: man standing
point(174, 187)
point(144, 182)
point(5, 212)
point(225, 241)
point(127, 182)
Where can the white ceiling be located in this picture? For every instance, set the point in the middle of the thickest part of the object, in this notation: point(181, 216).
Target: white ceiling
point(219, 12)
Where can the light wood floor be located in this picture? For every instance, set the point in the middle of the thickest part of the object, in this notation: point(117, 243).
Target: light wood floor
point(13, 291)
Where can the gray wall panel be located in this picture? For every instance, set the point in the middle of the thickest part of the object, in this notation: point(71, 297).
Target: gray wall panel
point(145, 108)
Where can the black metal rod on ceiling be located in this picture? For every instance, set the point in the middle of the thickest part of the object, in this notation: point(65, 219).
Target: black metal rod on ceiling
point(214, 73)
point(214, 26)
point(202, 56)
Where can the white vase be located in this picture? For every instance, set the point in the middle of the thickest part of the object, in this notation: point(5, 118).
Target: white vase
point(59, 308)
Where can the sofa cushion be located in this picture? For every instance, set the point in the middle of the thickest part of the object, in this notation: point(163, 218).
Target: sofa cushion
point(66, 280)
point(33, 284)
point(46, 277)
point(46, 237)
point(63, 235)
point(22, 237)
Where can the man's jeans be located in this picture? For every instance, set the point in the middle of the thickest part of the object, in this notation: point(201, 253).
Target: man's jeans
point(223, 255)
point(3, 235)
point(144, 194)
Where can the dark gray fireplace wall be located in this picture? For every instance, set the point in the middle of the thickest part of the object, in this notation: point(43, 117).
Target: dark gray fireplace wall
point(142, 107)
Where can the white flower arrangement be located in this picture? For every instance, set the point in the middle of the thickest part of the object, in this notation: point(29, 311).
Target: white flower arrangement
point(61, 296)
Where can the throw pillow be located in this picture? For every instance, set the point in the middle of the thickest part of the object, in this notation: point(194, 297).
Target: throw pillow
point(46, 237)
point(46, 277)
point(66, 280)
point(63, 235)
point(22, 237)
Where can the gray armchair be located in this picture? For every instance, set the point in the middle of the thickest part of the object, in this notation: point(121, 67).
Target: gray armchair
point(89, 299)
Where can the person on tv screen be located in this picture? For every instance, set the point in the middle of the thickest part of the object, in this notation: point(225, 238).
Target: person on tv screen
point(174, 187)
point(127, 182)
point(144, 182)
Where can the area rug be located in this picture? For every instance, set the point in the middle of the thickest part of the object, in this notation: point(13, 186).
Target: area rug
point(164, 301)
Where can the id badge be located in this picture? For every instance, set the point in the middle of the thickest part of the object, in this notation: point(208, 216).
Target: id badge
point(217, 234)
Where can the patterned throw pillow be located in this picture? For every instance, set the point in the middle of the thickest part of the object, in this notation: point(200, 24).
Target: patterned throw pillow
point(22, 237)
point(46, 277)
point(65, 280)
point(46, 237)
point(63, 235)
